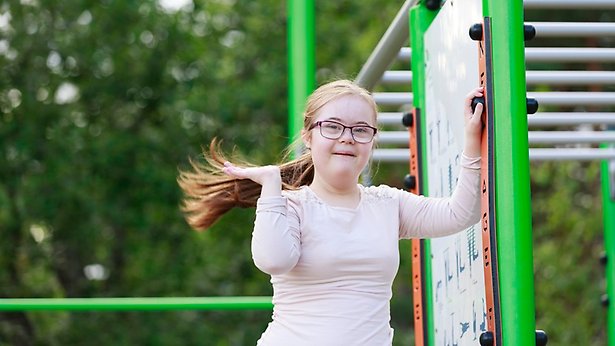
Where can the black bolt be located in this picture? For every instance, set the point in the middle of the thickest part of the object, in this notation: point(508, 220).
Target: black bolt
point(410, 181)
point(407, 119)
point(432, 4)
point(541, 338)
point(476, 32)
point(604, 300)
point(531, 105)
point(486, 339)
point(603, 258)
point(529, 32)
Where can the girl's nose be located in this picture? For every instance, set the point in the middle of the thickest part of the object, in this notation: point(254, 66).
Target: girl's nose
point(347, 136)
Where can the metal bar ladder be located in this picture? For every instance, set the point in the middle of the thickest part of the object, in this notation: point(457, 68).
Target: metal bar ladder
point(389, 50)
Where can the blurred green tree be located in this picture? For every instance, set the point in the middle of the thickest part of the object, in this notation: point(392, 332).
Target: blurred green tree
point(101, 103)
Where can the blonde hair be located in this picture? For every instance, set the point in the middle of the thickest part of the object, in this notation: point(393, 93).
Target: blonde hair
point(209, 193)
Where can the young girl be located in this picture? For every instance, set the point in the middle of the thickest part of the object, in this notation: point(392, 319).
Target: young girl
point(329, 243)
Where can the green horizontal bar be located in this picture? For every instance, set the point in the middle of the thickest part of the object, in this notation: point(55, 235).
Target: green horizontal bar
point(134, 304)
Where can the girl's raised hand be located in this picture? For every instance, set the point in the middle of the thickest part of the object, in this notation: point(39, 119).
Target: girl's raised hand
point(267, 176)
point(473, 123)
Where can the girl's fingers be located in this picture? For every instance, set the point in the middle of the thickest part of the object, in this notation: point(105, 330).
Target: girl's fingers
point(231, 170)
point(478, 92)
point(474, 93)
point(256, 174)
point(478, 111)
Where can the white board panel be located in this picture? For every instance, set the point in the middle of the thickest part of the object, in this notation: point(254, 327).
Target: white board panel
point(451, 62)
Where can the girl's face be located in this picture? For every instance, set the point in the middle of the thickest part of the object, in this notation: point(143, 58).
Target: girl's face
point(339, 162)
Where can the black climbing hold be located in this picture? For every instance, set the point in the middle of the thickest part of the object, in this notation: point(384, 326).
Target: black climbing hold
point(476, 101)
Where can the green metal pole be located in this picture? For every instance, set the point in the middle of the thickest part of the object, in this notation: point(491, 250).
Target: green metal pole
point(608, 210)
point(420, 19)
point(301, 61)
point(134, 304)
point(513, 209)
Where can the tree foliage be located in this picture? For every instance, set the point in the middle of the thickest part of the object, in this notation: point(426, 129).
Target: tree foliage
point(101, 103)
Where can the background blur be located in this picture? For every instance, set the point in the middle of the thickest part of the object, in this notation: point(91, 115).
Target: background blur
point(101, 102)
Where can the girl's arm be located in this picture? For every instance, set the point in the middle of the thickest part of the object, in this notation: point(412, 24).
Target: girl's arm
point(276, 236)
point(426, 217)
point(431, 217)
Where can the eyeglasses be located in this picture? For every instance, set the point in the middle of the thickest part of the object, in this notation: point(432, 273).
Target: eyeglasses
point(334, 130)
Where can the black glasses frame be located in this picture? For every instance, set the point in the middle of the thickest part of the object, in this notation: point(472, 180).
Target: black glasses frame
point(344, 127)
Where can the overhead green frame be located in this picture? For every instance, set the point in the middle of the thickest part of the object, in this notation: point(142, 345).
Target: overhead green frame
point(513, 207)
point(608, 211)
point(301, 61)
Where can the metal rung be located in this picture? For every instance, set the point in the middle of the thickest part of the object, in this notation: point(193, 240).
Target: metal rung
point(570, 77)
point(569, 4)
point(535, 154)
point(537, 119)
point(576, 154)
point(533, 77)
point(561, 137)
point(397, 77)
point(555, 118)
point(560, 54)
point(391, 155)
point(390, 118)
point(551, 54)
point(393, 137)
point(534, 137)
point(405, 54)
point(393, 98)
point(573, 29)
point(573, 98)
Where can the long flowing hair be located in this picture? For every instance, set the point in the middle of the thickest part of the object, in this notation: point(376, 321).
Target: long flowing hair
point(209, 193)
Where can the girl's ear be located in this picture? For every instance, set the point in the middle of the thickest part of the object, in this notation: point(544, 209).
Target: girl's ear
point(306, 138)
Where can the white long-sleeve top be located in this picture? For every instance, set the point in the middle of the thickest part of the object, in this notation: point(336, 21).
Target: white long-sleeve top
point(332, 268)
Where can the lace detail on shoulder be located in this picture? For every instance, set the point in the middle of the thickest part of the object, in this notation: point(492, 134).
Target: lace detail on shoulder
point(301, 195)
point(370, 194)
point(308, 196)
point(379, 193)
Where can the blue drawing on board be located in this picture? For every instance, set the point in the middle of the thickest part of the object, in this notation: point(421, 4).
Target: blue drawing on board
point(483, 325)
point(447, 268)
point(474, 319)
point(464, 328)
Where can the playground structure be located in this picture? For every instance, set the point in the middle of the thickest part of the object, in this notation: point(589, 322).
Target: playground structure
point(513, 165)
point(512, 277)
